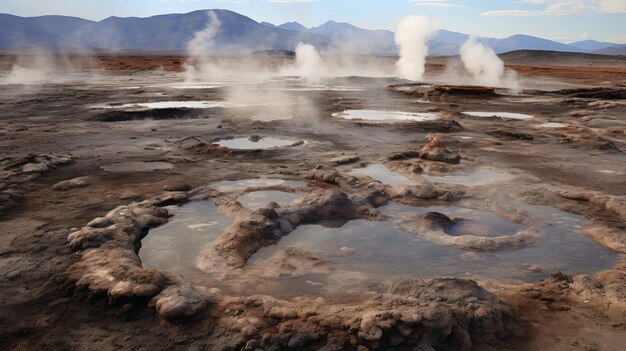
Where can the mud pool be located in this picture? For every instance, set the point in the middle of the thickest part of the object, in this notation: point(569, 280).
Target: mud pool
point(505, 115)
point(197, 86)
point(254, 143)
point(382, 174)
point(262, 198)
point(124, 167)
point(375, 253)
point(553, 125)
point(477, 177)
point(383, 249)
point(312, 88)
point(173, 245)
point(231, 185)
point(386, 116)
point(172, 104)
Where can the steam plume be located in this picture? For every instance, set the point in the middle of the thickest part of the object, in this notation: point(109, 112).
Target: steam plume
point(202, 42)
point(412, 35)
point(481, 62)
point(485, 66)
point(308, 61)
point(200, 47)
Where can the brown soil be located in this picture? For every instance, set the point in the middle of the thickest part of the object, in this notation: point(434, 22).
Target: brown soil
point(52, 134)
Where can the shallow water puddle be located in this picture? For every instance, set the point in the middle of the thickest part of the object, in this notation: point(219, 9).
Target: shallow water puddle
point(124, 167)
point(172, 104)
point(259, 199)
point(319, 88)
point(230, 185)
point(383, 174)
point(480, 176)
point(386, 116)
point(382, 248)
point(253, 143)
point(477, 222)
point(174, 245)
point(197, 86)
point(363, 256)
point(508, 115)
point(553, 125)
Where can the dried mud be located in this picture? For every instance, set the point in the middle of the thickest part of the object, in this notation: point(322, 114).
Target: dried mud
point(71, 273)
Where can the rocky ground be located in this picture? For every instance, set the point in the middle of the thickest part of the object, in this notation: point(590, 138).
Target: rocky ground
point(81, 185)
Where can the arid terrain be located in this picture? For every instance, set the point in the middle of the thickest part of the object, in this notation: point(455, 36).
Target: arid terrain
point(123, 226)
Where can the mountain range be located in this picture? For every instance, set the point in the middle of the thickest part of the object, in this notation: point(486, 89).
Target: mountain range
point(240, 34)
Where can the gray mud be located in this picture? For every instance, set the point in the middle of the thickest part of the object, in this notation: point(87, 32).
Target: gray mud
point(131, 228)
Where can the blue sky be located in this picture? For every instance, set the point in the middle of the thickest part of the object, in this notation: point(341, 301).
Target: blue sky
point(561, 20)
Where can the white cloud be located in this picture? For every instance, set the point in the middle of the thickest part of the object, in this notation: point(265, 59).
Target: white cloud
point(511, 13)
point(289, 1)
point(621, 39)
point(564, 7)
point(434, 3)
point(179, 1)
point(613, 6)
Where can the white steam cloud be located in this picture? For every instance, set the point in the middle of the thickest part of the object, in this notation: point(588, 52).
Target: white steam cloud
point(308, 64)
point(35, 71)
point(412, 36)
point(485, 66)
point(199, 49)
point(202, 43)
point(30, 68)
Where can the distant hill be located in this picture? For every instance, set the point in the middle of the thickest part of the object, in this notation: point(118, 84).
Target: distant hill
point(592, 45)
point(443, 43)
point(613, 50)
point(293, 26)
point(164, 32)
point(527, 42)
point(562, 58)
point(240, 34)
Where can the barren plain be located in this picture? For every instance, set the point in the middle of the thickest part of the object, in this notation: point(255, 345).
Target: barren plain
point(140, 211)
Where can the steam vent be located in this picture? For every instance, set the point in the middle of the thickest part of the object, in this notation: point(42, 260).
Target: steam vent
point(203, 181)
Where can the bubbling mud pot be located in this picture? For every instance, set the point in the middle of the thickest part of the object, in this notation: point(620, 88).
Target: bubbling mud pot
point(436, 231)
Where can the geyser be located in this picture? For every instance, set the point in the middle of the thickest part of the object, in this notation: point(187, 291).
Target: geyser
point(412, 35)
point(485, 66)
point(202, 42)
point(308, 64)
point(199, 47)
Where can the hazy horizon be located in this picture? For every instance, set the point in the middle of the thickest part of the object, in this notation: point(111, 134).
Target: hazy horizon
point(564, 21)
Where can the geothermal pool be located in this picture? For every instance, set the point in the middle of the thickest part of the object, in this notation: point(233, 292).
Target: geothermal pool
point(479, 176)
point(255, 143)
point(382, 174)
point(375, 253)
point(230, 185)
point(129, 167)
point(506, 115)
point(386, 116)
point(197, 86)
point(172, 104)
point(553, 125)
point(174, 245)
point(383, 249)
point(259, 199)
